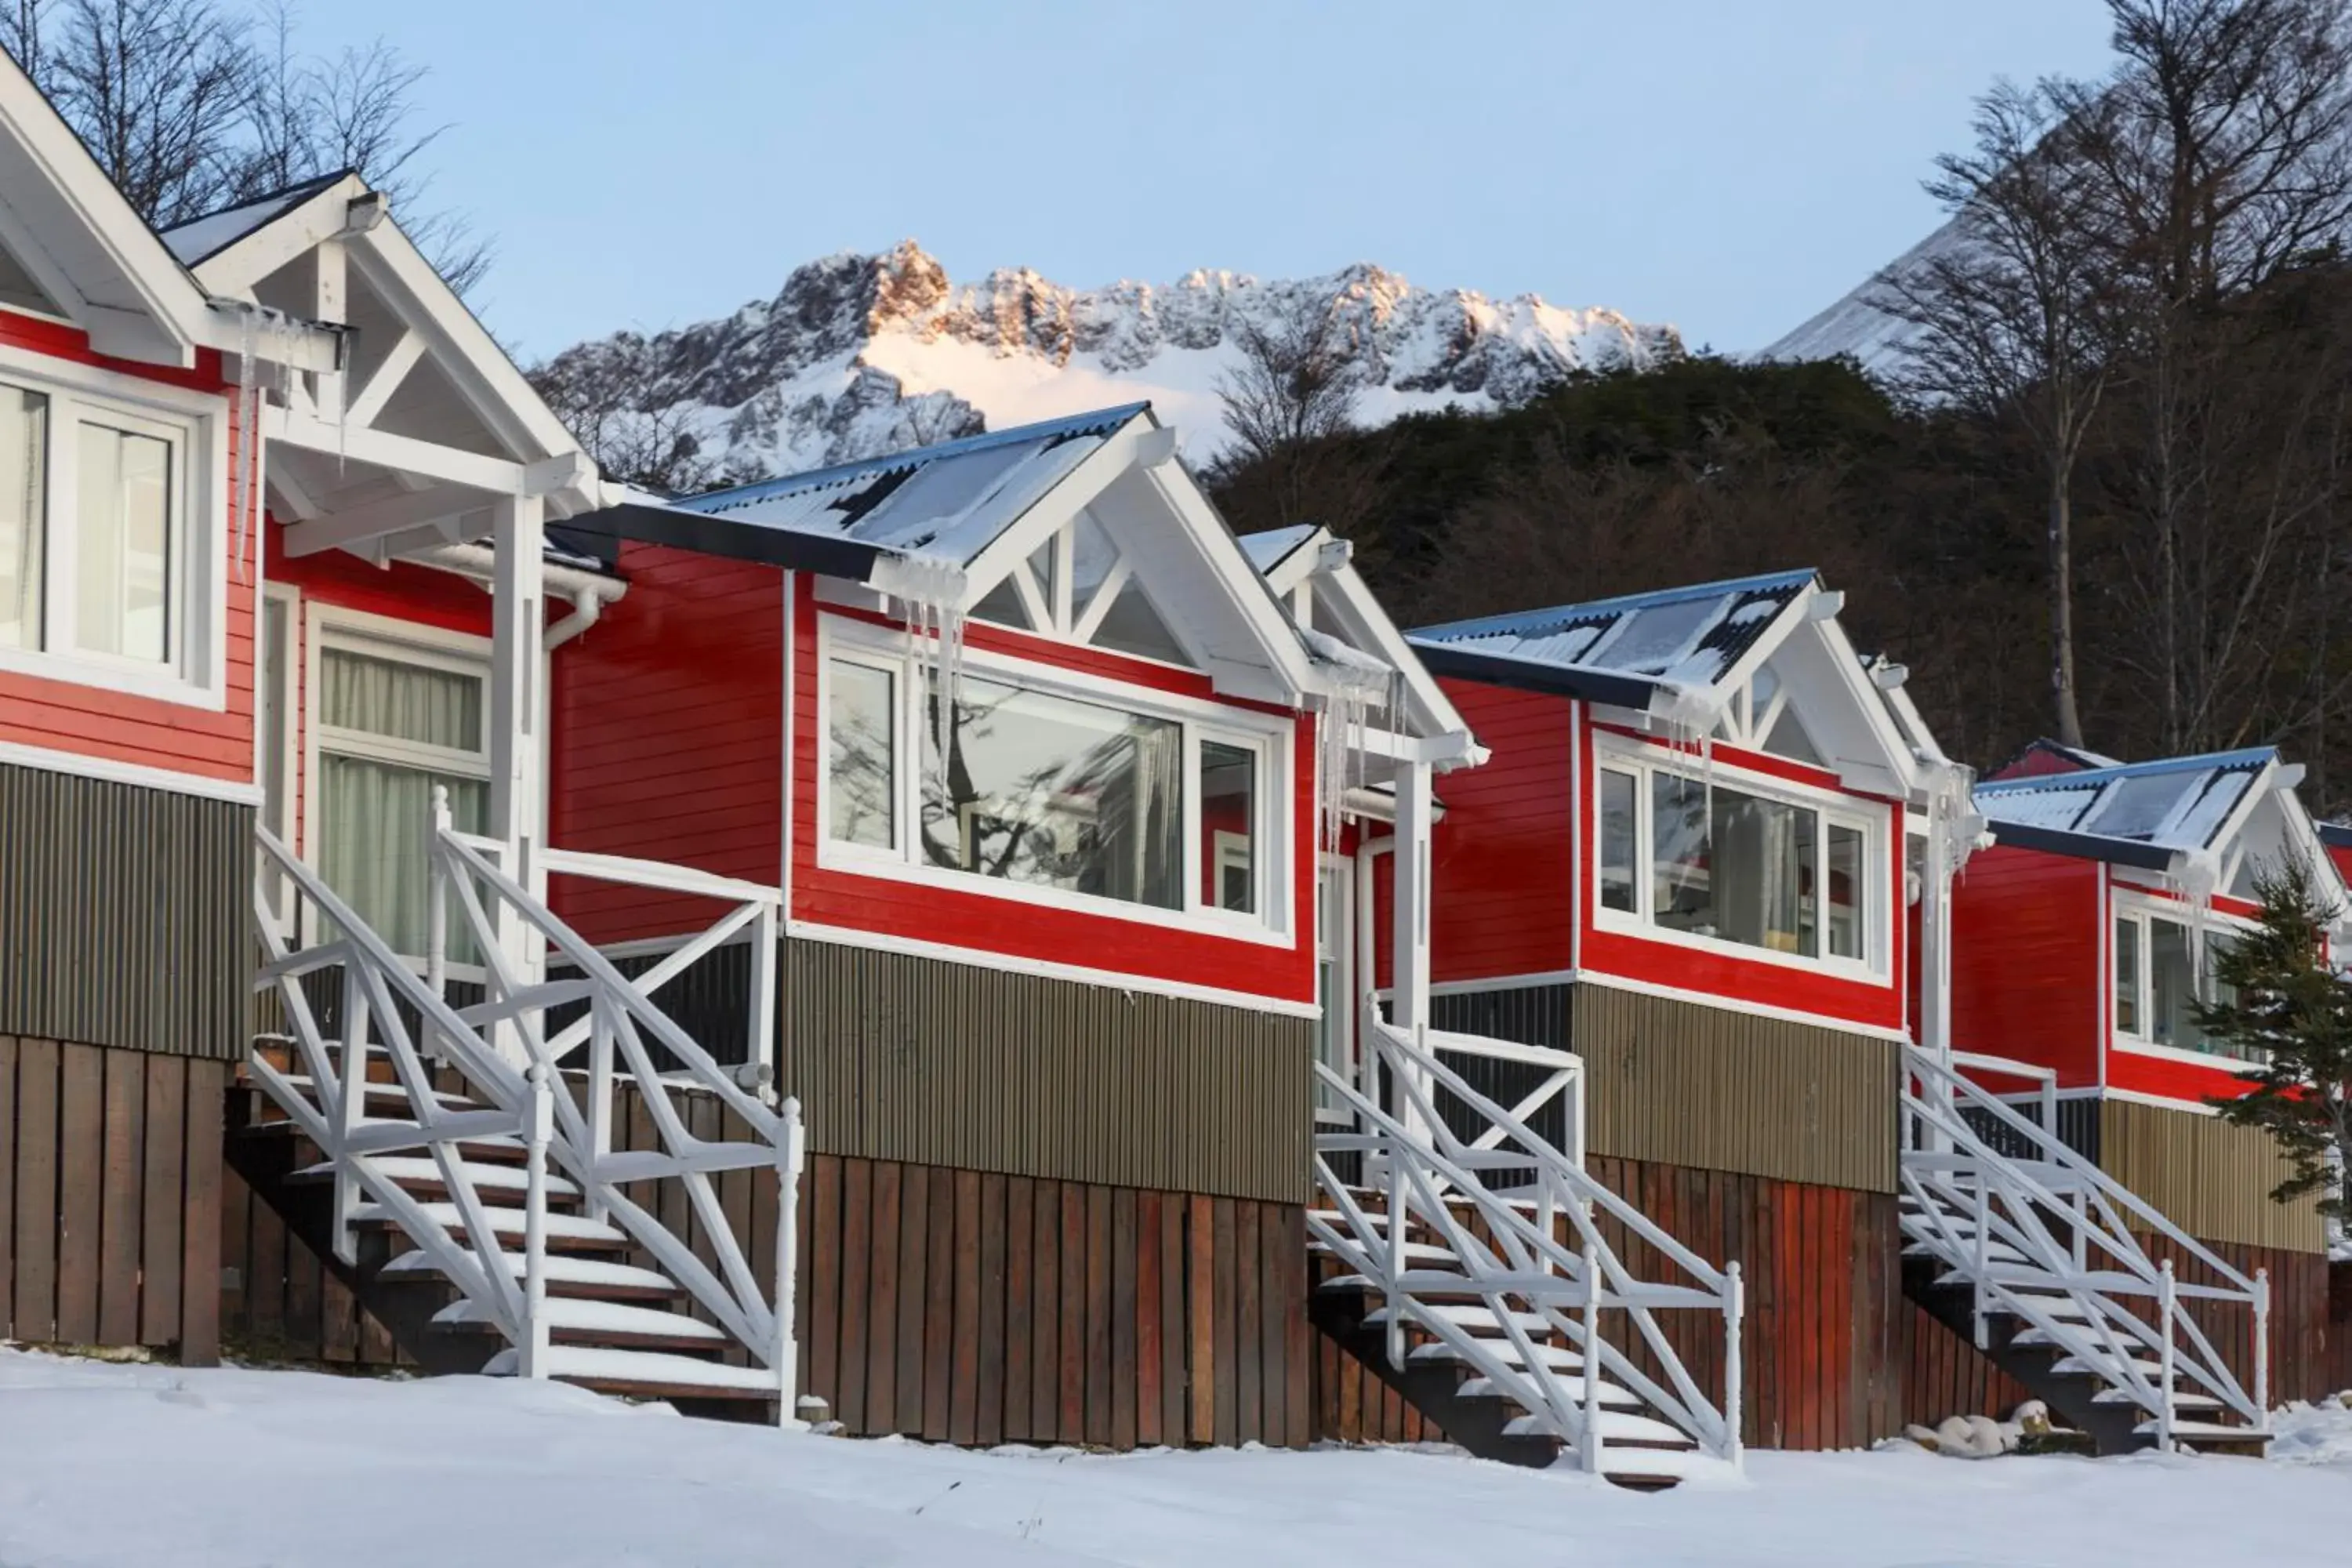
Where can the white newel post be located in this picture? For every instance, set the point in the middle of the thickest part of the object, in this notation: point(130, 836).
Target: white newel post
point(1409, 994)
point(1935, 950)
point(518, 793)
point(790, 1156)
point(534, 1349)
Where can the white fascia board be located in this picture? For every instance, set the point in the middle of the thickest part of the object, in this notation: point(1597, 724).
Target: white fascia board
point(2263, 785)
point(1896, 759)
point(1268, 620)
point(163, 326)
point(471, 358)
point(1369, 627)
point(237, 268)
point(1300, 563)
point(1120, 451)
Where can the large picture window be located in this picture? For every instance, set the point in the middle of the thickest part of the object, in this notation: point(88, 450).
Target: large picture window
point(98, 578)
point(1715, 860)
point(392, 723)
point(2163, 968)
point(1055, 793)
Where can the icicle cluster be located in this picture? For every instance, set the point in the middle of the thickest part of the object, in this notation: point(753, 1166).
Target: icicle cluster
point(1360, 684)
point(929, 592)
point(285, 336)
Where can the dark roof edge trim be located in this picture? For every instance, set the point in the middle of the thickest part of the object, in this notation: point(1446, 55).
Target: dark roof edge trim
point(2084, 846)
point(2338, 833)
point(711, 534)
point(1529, 675)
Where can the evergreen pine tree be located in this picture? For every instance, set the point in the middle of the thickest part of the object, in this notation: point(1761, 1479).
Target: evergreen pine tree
point(2280, 1002)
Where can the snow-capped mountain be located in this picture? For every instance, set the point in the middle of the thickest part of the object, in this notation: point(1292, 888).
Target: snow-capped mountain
point(1881, 342)
point(861, 354)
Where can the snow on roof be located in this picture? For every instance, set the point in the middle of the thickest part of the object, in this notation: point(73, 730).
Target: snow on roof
point(1268, 549)
point(948, 501)
point(200, 239)
point(1682, 636)
point(2180, 804)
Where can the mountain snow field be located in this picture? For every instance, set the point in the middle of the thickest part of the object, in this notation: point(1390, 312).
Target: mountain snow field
point(109, 1466)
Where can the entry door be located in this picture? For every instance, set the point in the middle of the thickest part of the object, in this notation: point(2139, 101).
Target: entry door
point(1335, 957)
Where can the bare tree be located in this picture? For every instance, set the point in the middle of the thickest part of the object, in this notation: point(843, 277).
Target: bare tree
point(2007, 310)
point(1289, 400)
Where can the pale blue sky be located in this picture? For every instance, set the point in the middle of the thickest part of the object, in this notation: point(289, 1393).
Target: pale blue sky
point(1726, 166)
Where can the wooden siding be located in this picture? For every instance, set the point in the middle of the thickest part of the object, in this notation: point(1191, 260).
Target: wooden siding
point(668, 737)
point(1713, 1088)
point(124, 915)
point(2025, 961)
point(63, 715)
point(109, 1198)
point(931, 1062)
point(2212, 1179)
point(2304, 1347)
point(1832, 1354)
point(1502, 860)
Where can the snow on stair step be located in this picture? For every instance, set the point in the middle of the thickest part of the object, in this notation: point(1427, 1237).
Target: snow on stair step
point(403, 1168)
point(2207, 1432)
point(384, 1093)
point(1609, 1394)
point(504, 1221)
point(2181, 1400)
point(1616, 1427)
point(1415, 1251)
point(597, 1317)
point(600, 1367)
point(593, 1273)
point(1466, 1317)
point(1555, 1358)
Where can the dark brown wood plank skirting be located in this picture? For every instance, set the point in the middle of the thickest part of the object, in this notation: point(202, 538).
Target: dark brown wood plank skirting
point(109, 1198)
point(124, 915)
point(2308, 1359)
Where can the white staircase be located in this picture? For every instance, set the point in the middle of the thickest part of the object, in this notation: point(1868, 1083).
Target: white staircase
point(482, 1154)
point(2040, 1255)
point(1498, 1302)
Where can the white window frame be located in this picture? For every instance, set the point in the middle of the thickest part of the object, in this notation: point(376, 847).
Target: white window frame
point(2140, 910)
point(381, 636)
point(859, 643)
point(195, 424)
point(1625, 755)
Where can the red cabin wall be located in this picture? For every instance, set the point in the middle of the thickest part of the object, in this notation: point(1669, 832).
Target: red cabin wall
point(1503, 858)
point(112, 726)
point(981, 922)
point(2026, 980)
point(666, 739)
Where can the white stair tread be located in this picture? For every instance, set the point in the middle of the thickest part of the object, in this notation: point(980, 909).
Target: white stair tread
point(1615, 1425)
point(382, 1092)
point(504, 1221)
point(602, 1317)
point(2103, 1366)
point(2209, 1431)
point(561, 1267)
point(1415, 1251)
point(1467, 1317)
point(2180, 1401)
point(1610, 1394)
point(1557, 1358)
point(601, 1364)
point(425, 1168)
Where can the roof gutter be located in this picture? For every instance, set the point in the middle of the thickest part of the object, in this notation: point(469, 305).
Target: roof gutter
point(2090, 847)
point(587, 592)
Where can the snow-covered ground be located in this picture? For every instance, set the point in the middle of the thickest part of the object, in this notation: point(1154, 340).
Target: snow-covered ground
point(103, 1466)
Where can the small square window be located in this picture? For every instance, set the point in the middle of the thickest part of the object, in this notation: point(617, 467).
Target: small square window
point(1617, 836)
point(1228, 826)
point(2128, 976)
point(861, 761)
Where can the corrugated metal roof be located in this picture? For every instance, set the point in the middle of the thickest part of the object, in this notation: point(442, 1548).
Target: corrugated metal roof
point(2178, 803)
point(1682, 636)
point(948, 501)
point(1268, 549)
point(201, 238)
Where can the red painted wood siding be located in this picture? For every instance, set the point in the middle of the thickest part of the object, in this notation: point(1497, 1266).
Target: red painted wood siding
point(1723, 972)
point(1504, 858)
point(94, 722)
point(667, 737)
point(2026, 978)
point(982, 923)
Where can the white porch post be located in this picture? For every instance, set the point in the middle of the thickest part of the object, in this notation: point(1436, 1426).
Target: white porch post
point(518, 790)
point(1408, 993)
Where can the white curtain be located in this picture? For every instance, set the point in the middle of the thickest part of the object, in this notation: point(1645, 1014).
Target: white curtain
point(375, 813)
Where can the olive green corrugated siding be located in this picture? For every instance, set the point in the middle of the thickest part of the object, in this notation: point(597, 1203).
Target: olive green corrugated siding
point(1686, 1084)
point(124, 915)
point(903, 1058)
point(2209, 1177)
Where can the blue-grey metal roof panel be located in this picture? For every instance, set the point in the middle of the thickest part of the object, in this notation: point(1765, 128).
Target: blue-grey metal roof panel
point(2176, 803)
point(951, 500)
point(1682, 636)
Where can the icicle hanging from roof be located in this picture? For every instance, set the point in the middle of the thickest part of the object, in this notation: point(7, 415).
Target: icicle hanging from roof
point(1359, 682)
point(930, 591)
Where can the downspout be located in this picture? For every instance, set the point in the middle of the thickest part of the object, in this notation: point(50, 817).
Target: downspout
point(588, 592)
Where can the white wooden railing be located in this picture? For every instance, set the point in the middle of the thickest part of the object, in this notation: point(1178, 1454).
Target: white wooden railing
point(1522, 1221)
point(509, 1063)
point(2047, 1236)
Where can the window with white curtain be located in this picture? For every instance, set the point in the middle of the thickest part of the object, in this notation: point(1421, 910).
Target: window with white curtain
point(2163, 969)
point(392, 723)
point(103, 573)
